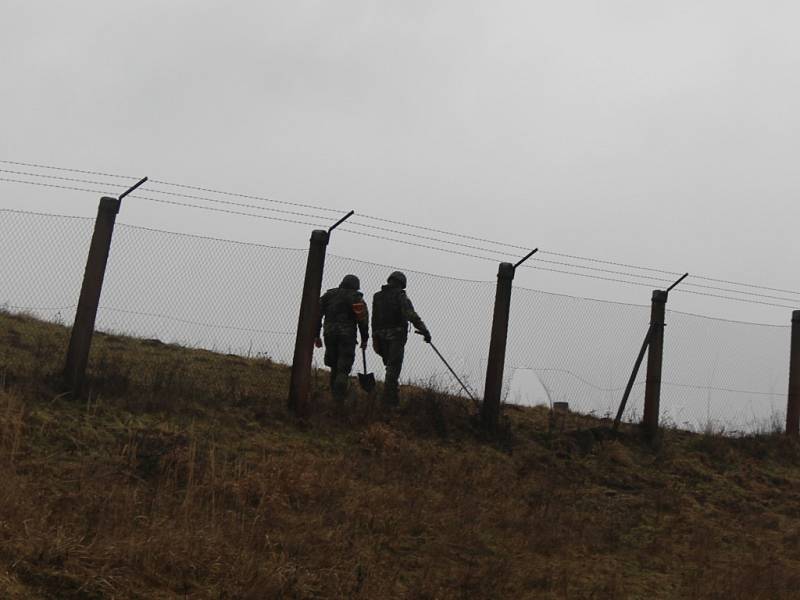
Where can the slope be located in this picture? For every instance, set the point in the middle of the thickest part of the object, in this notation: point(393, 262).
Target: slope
point(182, 475)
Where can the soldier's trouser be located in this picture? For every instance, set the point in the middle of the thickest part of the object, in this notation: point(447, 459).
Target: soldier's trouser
point(340, 353)
point(392, 351)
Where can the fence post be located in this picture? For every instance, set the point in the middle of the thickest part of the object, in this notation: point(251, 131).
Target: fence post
point(490, 411)
point(80, 341)
point(300, 384)
point(793, 404)
point(652, 390)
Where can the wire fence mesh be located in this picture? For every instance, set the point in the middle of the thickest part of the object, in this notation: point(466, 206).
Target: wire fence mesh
point(243, 299)
point(717, 374)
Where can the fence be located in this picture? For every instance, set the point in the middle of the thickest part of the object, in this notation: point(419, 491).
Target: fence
point(243, 298)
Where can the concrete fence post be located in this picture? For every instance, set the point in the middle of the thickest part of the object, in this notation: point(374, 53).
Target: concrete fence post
point(80, 341)
point(300, 384)
point(652, 390)
point(490, 411)
point(793, 404)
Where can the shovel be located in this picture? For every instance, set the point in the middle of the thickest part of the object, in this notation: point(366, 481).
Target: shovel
point(367, 380)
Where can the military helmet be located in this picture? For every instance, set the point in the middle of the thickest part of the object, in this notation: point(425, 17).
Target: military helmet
point(399, 278)
point(350, 282)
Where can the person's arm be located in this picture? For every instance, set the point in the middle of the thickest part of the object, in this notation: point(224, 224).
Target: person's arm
point(414, 318)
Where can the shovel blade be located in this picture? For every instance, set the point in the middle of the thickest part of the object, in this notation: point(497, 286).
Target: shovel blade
point(367, 381)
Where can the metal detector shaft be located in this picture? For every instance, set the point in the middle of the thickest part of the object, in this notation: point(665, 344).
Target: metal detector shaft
point(446, 364)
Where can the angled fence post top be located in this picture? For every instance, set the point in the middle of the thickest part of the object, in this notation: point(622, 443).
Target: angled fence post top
point(132, 189)
point(340, 221)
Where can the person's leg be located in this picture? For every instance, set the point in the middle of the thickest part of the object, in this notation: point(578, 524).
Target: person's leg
point(393, 359)
point(344, 365)
point(332, 358)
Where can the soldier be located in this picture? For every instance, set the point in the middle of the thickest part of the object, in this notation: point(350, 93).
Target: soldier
point(391, 313)
point(344, 311)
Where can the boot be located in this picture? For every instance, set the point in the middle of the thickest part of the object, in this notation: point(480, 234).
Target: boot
point(339, 388)
point(390, 395)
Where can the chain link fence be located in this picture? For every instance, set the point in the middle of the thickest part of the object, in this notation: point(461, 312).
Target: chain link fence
point(244, 299)
point(717, 374)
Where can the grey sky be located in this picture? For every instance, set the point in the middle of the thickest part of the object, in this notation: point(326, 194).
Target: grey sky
point(662, 134)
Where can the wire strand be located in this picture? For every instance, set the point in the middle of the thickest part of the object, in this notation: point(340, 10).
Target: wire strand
point(387, 230)
point(209, 208)
point(484, 258)
point(225, 210)
point(40, 166)
point(408, 225)
point(640, 383)
point(254, 207)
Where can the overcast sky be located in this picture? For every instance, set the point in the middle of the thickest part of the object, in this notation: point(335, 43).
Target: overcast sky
point(657, 133)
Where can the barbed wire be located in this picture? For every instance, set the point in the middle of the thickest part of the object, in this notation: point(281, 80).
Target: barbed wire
point(246, 214)
point(177, 194)
point(684, 291)
point(58, 177)
point(661, 280)
point(387, 230)
point(346, 229)
point(416, 236)
point(53, 185)
point(383, 238)
point(248, 206)
point(209, 208)
point(41, 166)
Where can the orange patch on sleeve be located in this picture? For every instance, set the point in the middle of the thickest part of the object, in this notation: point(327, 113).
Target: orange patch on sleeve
point(360, 310)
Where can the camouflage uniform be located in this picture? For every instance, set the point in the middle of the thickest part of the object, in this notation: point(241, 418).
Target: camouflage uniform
point(344, 311)
point(392, 310)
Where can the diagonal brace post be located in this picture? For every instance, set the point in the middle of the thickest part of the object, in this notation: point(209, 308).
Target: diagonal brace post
point(632, 379)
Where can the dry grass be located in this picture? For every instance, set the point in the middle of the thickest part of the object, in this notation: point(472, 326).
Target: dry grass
point(182, 476)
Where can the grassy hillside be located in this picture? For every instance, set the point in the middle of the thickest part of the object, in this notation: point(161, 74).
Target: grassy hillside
point(182, 475)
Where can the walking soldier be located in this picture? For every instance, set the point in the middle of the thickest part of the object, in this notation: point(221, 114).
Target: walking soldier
point(344, 311)
point(391, 312)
